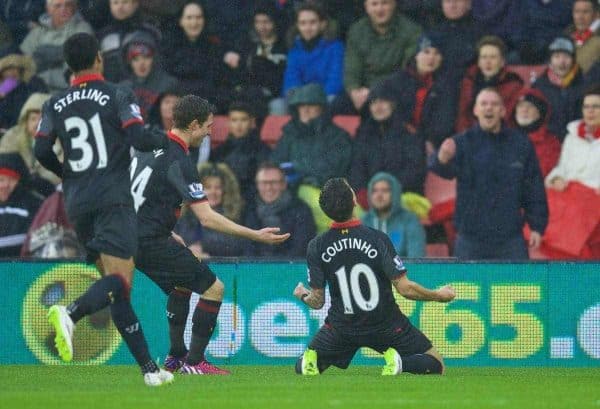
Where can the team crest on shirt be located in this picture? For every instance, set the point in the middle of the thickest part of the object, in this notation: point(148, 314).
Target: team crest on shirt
point(399, 264)
point(135, 111)
point(196, 191)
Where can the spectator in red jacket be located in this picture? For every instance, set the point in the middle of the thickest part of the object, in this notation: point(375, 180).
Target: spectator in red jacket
point(531, 115)
point(490, 71)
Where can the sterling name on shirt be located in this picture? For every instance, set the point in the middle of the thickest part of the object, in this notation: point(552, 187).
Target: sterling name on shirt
point(349, 244)
point(88, 93)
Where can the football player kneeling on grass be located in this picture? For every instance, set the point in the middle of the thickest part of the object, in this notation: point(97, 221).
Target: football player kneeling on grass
point(358, 264)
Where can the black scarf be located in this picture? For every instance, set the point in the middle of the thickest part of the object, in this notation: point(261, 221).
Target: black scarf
point(269, 213)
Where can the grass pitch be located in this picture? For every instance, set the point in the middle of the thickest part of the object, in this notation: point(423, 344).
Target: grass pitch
point(266, 387)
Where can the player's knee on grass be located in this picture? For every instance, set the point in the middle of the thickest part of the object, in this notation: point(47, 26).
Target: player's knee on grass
point(422, 364)
point(215, 291)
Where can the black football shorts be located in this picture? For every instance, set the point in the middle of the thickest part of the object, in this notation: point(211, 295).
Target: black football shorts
point(337, 348)
point(170, 265)
point(110, 230)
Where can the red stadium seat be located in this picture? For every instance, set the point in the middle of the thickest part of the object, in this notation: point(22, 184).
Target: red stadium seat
point(349, 123)
point(441, 193)
point(219, 130)
point(437, 250)
point(272, 128)
point(528, 73)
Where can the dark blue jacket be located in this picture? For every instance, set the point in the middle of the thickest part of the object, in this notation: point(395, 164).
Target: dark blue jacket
point(565, 102)
point(546, 19)
point(439, 109)
point(499, 184)
point(322, 65)
point(458, 43)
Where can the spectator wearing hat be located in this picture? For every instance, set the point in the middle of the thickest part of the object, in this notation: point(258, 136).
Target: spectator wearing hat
point(314, 58)
point(490, 71)
point(585, 32)
point(126, 18)
point(376, 45)
point(257, 62)
point(458, 33)
point(18, 205)
point(45, 41)
point(383, 144)
point(387, 214)
point(531, 115)
point(425, 97)
point(147, 79)
point(562, 85)
point(499, 185)
point(17, 83)
point(313, 146)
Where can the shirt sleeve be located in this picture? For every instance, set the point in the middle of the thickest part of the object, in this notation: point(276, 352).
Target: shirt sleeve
point(392, 264)
point(45, 137)
point(128, 108)
point(184, 178)
point(316, 277)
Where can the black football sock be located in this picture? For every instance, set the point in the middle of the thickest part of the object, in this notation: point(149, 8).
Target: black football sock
point(204, 322)
point(97, 296)
point(178, 308)
point(130, 329)
point(422, 364)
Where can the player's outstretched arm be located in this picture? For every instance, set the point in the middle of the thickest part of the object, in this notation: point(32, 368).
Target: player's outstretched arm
point(216, 221)
point(143, 139)
point(314, 298)
point(414, 291)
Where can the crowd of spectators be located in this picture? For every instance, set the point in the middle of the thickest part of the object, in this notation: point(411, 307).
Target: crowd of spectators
point(501, 95)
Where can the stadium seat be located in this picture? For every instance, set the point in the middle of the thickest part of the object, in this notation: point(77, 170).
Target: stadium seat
point(349, 123)
point(442, 194)
point(528, 73)
point(272, 128)
point(437, 250)
point(219, 130)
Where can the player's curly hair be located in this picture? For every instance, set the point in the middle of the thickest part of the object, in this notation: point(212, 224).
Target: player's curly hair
point(232, 199)
point(337, 199)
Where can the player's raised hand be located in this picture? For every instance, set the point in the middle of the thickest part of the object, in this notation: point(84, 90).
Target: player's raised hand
point(446, 293)
point(300, 290)
point(270, 235)
point(447, 151)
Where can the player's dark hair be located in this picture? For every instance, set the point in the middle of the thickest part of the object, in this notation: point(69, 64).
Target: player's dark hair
point(190, 108)
point(80, 51)
point(242, 106)
point(336, 199)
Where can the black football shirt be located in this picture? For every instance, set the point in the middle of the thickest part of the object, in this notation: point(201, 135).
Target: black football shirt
point(161, 181)
point(357, 264)
point(89, 120)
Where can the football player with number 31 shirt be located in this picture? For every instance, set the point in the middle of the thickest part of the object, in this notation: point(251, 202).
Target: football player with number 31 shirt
point(97, 122)
point(360, 265)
